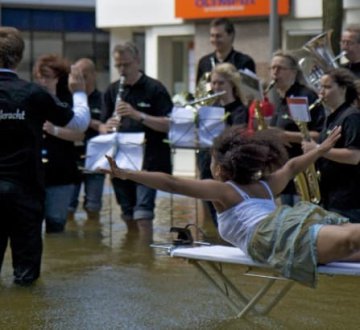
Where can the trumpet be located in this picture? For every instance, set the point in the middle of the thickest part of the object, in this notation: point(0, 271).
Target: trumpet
point(202, 100)
point(118, 99)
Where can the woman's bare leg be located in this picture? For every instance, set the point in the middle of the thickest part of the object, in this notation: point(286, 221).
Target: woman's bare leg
point(338, 242)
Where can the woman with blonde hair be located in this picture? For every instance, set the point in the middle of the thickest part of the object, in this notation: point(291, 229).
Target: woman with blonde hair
point(224, 77)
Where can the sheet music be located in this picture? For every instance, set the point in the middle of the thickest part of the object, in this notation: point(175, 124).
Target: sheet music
point(126, 148)
point(211, 124)
point(251, 85)
point(299, 108)
point(194, 128)
point(182, 131)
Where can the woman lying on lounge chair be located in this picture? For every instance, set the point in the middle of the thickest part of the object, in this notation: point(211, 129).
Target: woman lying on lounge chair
point(249, 171)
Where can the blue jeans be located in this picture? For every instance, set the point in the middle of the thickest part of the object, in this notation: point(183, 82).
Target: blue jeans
point(136, 200)
point(93, 188)
point(57, 200)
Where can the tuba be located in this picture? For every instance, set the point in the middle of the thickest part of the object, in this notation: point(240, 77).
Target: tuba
point(316, 57)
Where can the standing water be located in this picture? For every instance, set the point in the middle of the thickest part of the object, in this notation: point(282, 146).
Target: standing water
point(95, 276)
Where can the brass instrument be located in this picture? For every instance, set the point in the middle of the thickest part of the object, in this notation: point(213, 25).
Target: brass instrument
point(307, 182)
point(258, 113)
point(260, 119)
point(204, 100)
point(316, 57)
point(315, 104)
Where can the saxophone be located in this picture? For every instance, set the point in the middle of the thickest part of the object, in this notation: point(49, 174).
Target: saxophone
point(307, 182)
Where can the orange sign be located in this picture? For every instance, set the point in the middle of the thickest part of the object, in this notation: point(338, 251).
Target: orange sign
point(193, 9)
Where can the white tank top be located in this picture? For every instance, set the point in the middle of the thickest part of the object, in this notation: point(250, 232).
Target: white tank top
point(237, 224)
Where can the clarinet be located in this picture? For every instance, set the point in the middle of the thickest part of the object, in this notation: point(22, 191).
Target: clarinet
point(118, 99)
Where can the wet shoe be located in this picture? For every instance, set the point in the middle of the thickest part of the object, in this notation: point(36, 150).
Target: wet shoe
point(93, 215)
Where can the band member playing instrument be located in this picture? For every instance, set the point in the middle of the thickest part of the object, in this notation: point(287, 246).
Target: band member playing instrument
point(222, 34)
point(144, 107)
point(289, 82)
point(339, 167)
point(224, 77)
point(350, 43)
point(24, 108)
point(293, 240)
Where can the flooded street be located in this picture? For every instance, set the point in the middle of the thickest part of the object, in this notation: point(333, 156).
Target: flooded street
point(94, 276)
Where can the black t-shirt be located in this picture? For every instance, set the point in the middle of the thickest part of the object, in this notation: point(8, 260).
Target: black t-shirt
point(282, 119)
point(239, 114)
point(239, 60)
point(340, 183)
point(151, 97)
point(24, 107)
point(354, 68)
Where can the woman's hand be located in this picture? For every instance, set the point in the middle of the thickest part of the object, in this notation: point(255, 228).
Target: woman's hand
point(114, 170)
point(330, 141)
point(308, 145)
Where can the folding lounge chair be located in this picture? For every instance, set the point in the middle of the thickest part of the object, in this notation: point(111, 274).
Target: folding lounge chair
point(209, 260)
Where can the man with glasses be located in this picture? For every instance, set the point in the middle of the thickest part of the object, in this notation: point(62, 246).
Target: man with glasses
point(144, 107)
point(350, 43)
point(290, 82)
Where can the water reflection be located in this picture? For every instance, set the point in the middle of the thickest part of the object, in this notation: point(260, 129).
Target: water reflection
point(97, 276)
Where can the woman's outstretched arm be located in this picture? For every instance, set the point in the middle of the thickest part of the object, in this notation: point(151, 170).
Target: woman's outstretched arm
point(280, 178)
point(203, 189)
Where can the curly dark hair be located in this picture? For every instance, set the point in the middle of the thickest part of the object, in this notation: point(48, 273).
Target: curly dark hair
point(245, 158)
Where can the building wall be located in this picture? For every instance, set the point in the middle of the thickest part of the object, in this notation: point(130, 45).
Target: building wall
point(112, 13)
point(50, 3)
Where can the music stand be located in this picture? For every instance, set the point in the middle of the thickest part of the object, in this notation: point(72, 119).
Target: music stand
point(194, 128)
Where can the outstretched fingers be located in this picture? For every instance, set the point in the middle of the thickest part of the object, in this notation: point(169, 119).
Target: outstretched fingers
point(333, 136)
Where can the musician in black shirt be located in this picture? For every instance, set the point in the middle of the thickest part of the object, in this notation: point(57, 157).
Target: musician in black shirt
point(144, 108)
point(222, 34)
point(289, 82)
point(350, 43)
point(340, 166)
